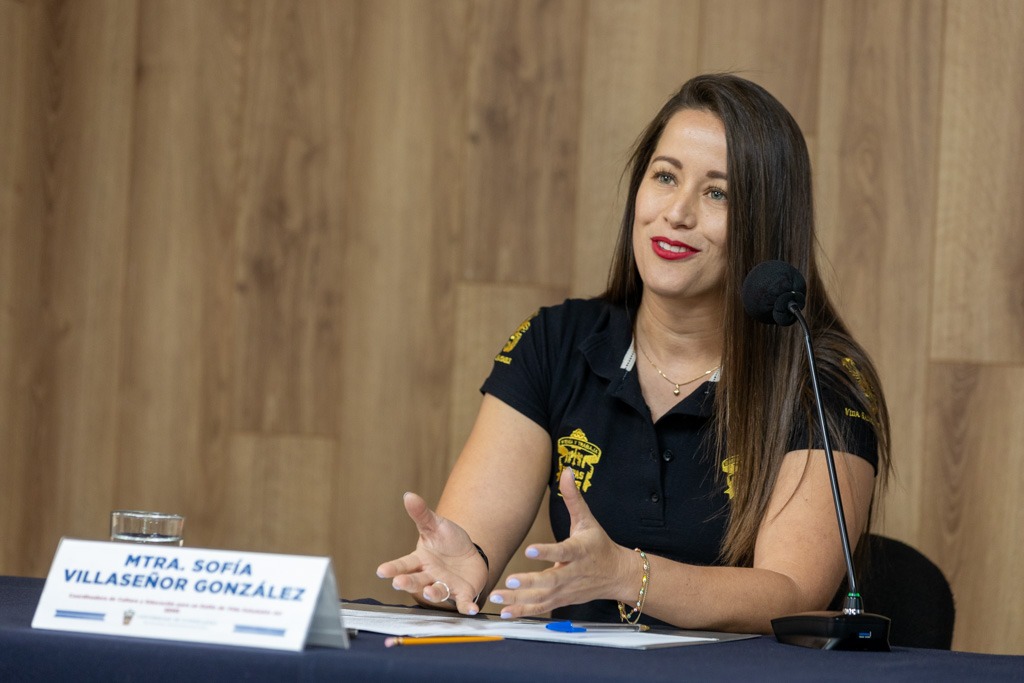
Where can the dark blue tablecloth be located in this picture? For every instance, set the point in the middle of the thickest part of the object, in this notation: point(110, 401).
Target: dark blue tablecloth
point(35, 655)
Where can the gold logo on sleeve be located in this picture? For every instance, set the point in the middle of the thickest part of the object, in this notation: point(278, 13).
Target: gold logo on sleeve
point(730, 466)
point(854, 372)
point(513, 340)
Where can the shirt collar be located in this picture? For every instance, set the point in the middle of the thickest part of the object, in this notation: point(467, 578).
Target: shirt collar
point(609, 352)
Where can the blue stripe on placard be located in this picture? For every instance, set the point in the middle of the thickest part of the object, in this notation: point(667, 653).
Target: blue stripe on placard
point(71, 614)
point(259, 630)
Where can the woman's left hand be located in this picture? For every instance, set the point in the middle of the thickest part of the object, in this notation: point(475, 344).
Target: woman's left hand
point(586, 566)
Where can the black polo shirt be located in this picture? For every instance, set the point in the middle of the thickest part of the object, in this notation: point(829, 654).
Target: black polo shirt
point(570, 368)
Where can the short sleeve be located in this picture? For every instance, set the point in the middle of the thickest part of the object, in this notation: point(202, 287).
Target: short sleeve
point(520, 376)
point(852, 427)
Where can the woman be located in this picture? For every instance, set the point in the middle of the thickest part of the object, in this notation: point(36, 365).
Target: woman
point(676, 434)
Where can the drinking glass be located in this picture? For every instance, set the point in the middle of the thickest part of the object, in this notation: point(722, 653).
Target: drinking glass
point(138, 526)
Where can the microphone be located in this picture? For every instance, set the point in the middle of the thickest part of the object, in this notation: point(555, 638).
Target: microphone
point(774, 292)
point(769, 289)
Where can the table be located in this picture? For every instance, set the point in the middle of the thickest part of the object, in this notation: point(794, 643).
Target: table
point(36, 655)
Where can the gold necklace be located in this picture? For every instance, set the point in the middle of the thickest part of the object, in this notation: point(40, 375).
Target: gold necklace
point(676, 384)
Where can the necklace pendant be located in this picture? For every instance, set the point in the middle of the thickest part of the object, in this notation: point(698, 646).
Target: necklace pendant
point(676, 390)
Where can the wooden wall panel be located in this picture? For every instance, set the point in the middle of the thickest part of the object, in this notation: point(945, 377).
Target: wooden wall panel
point(523, 112)
point(979, 310)
point(88, 229)
point(280, 499)
point(22, 157)
point(772, 42)
point(399, 264)
point(256, 255)
point(628, 45)
point(219, 110)
point(976, 520)
point(876, 174)
point(73, 196)
point(291, 203)
point(177, 348)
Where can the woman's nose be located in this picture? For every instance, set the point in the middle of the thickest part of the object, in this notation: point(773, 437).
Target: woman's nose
point(680, 212)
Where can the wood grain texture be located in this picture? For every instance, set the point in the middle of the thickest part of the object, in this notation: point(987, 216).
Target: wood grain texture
point(23, 395)
point(877, 171)
point(773, 42)
point(281, 500)
point(979, 311)
point(399, 267)
point(291, 206)
point(73, 195)
point(974, 436)
point(523, 113)
point(256, 255)
point(175, 406)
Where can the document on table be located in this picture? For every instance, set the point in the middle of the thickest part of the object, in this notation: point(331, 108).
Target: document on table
point(411, 621)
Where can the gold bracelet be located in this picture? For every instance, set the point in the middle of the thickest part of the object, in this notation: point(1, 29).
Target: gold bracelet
point(634, 614)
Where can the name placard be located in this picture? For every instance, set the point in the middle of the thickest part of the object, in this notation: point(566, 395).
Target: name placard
point(281, 602)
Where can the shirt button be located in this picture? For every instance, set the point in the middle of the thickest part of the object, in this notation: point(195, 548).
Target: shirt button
point(667, 456)
point(655, 497)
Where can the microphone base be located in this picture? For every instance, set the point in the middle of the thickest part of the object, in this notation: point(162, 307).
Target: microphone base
point(834, 631)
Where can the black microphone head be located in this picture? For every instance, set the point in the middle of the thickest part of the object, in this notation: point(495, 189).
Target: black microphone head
point(768, 291)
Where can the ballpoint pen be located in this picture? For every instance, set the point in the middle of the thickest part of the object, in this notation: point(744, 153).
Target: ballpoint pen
point(569, 627)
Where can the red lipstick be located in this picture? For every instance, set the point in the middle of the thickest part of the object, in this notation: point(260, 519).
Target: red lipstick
point(672, 250)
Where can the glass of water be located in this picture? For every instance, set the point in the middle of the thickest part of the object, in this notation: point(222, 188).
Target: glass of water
point(138, 526)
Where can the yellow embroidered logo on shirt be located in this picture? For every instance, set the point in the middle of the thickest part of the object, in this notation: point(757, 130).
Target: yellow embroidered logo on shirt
point(576, 452)
point(513, 340)
point(854, 372)
point(730, 465)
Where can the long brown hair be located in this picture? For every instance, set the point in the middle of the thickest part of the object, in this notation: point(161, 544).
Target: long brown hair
point(771, 216)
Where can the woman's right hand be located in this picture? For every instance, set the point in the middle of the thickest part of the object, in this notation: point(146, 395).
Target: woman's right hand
point(444, 556)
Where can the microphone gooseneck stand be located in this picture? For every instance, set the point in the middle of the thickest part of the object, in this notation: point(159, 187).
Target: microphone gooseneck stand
point(853, 628)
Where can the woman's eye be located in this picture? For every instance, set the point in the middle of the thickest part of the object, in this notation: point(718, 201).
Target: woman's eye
point(664, 178)
point(717, 194)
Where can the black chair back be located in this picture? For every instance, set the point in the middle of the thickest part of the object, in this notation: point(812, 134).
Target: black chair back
point(904, 585)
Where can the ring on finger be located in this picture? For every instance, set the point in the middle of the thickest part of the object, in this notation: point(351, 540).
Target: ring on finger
point(447, 590)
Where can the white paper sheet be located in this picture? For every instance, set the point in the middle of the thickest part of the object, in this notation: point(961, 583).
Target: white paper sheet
point(398, 621)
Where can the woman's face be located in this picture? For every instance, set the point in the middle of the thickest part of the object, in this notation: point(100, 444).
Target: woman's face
point(679, 225)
